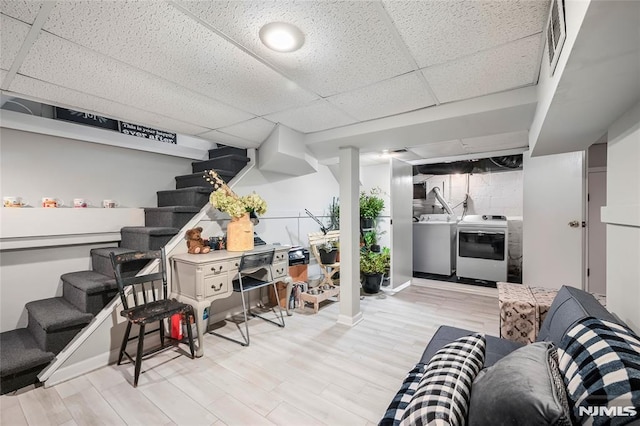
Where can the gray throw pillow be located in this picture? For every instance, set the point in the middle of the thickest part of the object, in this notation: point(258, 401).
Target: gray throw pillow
point(523, 388)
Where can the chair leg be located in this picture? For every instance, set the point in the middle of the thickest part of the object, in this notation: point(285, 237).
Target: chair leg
point(190, 332)
point(161, 333)
point(246, 320)
point(139, 355)
point(125, 340)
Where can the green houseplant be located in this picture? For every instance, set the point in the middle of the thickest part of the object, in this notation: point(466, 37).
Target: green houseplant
point(371, 205)
point(328, 252)
point(372, 266)
point(334, 214)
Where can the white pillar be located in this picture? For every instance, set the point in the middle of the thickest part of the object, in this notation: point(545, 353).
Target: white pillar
point(350, 313)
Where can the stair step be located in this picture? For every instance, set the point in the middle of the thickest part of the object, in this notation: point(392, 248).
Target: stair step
point(196, 196)
point(88, 291)
point(170, 216)
point(101, 262)
point(54, 322)
point(197, 179)
point(146, 238)
point(231, 163)
point(21, 360)
point(227, 150)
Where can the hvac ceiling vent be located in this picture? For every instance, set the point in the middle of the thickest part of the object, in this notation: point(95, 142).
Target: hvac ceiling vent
point(556, 32)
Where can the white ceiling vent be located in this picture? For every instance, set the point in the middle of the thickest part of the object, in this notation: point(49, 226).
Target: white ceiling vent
point(556, 32)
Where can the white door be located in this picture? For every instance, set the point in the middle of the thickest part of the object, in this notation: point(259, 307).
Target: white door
point(401, 222)
point(553, 212)
point(597, 233)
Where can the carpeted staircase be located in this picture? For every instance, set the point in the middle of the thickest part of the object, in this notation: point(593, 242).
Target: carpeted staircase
point(54, 322)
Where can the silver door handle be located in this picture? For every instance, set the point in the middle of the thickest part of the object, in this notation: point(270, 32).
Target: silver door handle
point(574, 224)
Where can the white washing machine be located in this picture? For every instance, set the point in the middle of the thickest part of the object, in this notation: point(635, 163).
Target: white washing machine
point(434, 242)
point(482, 247)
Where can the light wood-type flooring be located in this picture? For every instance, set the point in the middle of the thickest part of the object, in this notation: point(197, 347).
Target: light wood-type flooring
point(312, 372)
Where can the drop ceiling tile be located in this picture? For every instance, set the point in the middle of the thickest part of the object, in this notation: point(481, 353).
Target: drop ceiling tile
point(160, 39)
point(506, 67)
point(440, 31)
point(227, 139)
point(439, 149)
point(68, 98)
point(14, 33)
point(318, 115)
point(68, 65)
point(394, 96)
point(255, 130)
point(25, 10)
point(498, 141)
point(349, 41)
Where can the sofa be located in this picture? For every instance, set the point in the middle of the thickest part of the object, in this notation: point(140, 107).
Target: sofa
point(583, 368)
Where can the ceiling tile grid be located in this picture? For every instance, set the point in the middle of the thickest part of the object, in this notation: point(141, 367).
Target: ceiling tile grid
point(227, 139)
point(505, 67)
point(318, 115)
point(254, 130)
point(347, 43)
point(24, 10)
point(14, 33)
point(68, 65)
point(389, 97)
point(440, 31)
point(161, 40)
point(68, 98)
point(439, 149)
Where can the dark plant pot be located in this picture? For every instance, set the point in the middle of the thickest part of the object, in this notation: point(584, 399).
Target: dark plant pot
point(366, 223)
point(371, 283)
point(328, 257)
point(375, 248)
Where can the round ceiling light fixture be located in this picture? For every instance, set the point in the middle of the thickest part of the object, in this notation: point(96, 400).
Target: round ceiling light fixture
point(281, 37)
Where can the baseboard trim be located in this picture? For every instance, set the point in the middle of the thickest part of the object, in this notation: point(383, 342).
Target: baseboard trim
point(350, 321)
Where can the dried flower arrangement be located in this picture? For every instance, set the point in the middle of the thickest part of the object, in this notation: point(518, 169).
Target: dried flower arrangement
point(225, 200)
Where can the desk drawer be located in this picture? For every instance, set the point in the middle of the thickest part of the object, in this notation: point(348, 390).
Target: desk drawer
point(280, 256)
point(216, 285)
point(280, 269)
point(215, 268)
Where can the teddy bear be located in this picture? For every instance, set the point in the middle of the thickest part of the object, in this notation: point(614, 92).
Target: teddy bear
point(195, 243)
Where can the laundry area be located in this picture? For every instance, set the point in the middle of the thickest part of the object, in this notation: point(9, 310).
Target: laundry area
point(468, 221)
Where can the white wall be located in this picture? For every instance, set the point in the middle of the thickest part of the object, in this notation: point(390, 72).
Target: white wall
point(622, 215)
point(34, 165)
point(379, 176)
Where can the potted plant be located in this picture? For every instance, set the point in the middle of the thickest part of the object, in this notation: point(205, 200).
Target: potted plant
point(370, 238)
point(328, 252)
point(334, 214)
point(372, 266)
point(371, 205)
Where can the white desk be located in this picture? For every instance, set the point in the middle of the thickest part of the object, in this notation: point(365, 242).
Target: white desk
point(200, 279)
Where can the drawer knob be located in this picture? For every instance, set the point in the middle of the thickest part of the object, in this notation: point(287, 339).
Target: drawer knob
point(213, 286)
point(213, 268)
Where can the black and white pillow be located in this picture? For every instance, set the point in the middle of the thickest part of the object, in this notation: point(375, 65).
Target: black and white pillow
point(600, 363)
point(445, 388)
point(393, 415)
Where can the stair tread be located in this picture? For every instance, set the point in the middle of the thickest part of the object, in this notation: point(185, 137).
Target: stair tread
point(150, 230)
point(56, 313)
point(224, 164)
point(90, 282)
point(198, 189)
point(225, 150)
point(19, 351)
point(171, 209)
point(105, 252)
point(221, 172)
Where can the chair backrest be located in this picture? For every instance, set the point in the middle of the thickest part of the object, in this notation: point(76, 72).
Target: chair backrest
point(252, 261)
point(144, 287)
point(319, 238)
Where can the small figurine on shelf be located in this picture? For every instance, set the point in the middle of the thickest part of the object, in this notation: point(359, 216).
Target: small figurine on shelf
point(195, 243)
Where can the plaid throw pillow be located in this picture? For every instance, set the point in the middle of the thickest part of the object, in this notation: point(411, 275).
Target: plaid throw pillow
point(399, 403)
point(600, 363)
point(444, 391)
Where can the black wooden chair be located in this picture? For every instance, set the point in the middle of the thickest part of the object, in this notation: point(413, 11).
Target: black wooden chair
point(254, 273)
point(150, 303)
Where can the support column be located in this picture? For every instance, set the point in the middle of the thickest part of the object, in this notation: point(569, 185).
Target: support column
point(350, 313)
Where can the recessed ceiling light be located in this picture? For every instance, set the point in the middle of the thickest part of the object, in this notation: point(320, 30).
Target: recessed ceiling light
point(281, 36)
